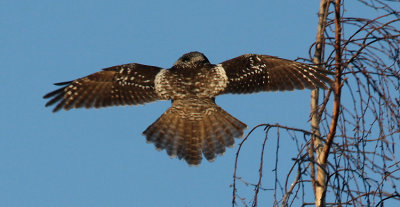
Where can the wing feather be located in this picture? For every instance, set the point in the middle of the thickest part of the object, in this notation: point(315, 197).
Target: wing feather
point(128, 84)
point(251, 73)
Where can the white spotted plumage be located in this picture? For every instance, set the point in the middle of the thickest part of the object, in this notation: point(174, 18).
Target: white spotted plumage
point(194, 126)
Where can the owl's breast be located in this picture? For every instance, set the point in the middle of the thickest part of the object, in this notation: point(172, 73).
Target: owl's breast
point(201, 83)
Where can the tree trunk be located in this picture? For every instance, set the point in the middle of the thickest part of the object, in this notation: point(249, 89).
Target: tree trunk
point(316, 142)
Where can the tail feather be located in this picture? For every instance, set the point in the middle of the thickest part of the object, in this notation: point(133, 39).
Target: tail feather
point(165, 135)
point(153, 130)
point(172, 138)
point(169, 136)
point(208, 145)
point(161, 134)
point(225, 130)
point(229, 127)
point(192, 139)
point(217, 136)
point(179, 139)
point(192, 128)
point(235, 125)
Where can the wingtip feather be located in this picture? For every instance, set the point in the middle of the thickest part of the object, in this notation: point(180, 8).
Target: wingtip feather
point(62, 83)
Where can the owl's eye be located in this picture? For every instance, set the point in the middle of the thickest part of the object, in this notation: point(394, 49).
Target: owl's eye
point(185, 59)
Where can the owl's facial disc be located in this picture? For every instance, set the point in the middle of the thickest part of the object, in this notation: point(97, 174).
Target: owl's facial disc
point(191, 59)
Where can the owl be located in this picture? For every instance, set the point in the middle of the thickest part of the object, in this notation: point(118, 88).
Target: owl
point(194, 126)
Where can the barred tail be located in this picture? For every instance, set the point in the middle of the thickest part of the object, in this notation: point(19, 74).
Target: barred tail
point(190, 128)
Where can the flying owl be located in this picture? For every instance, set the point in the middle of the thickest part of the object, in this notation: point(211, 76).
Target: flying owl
point(194, 125)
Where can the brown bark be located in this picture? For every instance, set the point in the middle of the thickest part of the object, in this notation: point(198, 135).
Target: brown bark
point(316, 142)
point(322, 149)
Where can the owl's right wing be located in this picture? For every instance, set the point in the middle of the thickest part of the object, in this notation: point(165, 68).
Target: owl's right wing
point(128, 84)
point(251, 73)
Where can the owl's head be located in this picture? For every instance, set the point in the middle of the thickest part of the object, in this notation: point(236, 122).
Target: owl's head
point(191, 60)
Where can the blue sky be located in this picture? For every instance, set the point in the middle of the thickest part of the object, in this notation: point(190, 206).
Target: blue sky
point(99, 157)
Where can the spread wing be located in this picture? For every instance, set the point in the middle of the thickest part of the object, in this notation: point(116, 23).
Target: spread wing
point(128, 84)
point(253, 73)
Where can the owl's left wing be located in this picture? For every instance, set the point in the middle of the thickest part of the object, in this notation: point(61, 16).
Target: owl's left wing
point(253, 73)
point(118, 85)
